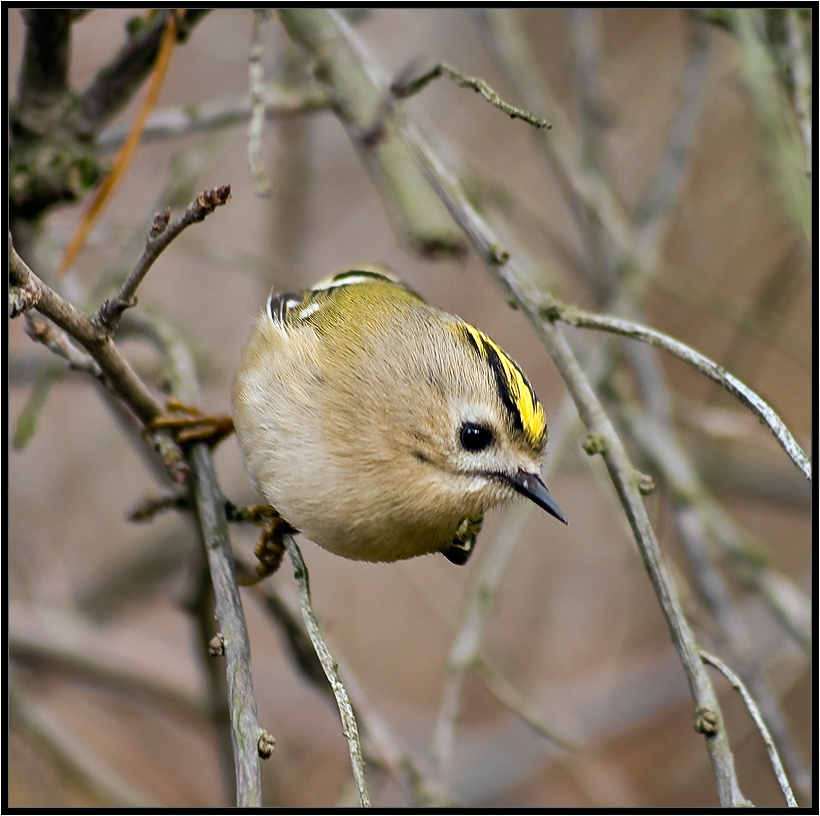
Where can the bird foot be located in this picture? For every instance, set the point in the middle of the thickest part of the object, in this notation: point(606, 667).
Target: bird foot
point(271, 545)
point(189, 424)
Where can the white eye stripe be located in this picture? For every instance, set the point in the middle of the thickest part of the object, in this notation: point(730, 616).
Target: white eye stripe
point(347, 280)
point(310, 309)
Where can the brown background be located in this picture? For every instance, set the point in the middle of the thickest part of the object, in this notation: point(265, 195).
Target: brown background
point(576, 628)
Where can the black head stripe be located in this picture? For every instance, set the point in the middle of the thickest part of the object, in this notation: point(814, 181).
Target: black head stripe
point(514, 389)
point(503, 386)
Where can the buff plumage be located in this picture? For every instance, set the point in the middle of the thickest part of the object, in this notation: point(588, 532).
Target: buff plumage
point(381, 427)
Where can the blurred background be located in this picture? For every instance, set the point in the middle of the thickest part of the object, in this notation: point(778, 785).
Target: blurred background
point(576, 697)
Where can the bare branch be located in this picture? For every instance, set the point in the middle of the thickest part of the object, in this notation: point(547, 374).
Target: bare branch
point(359, 90)
point(160, 237)
point(408, 85)
point(511, 698)
point(737, 683)
point(331, 669)
point(116, 83)
point(279, 101)
point(261, 183)
point(466, 649)
point(626, 480)
point(43, 91)
point(658, 200)
point(58, 341)
point(245, 731)
point(573, 316)
point(92, 337)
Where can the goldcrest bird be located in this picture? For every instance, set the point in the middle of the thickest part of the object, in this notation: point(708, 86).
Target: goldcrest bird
point(383, 428)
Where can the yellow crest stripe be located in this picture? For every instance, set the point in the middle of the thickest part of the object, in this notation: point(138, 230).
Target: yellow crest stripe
point(513, 387)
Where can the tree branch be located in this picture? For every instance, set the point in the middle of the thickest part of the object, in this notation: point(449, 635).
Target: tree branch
point(256, 81)
point(29, 292)
point(737, 683)
point(358, 90)
point(115, 84)
point(245, 731)
point(407, 86)
point(573, 316)
point(43, 91)
point(279, 101)
point(160, 237)
point(708, 719)
point(331, 669)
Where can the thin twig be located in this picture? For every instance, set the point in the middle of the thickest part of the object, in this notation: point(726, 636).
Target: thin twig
point(661, 194)
point(279, 101)
point(737, 683)
point(161, 236)
point(511, 698)
point(331, 669)
point(384, 749)
point(660, 446)
point(35, 294)
point(628, 328)
point(695, 515)
point(407, 86)
point(466, 648)
point(785, 147)
point(256, 77)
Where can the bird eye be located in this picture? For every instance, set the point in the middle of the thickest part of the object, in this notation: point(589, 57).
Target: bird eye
point(475, 437)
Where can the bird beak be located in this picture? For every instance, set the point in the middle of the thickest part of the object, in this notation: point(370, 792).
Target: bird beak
point(531, 486)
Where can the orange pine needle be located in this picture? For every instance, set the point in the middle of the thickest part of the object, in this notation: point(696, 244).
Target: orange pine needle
point(125, 154)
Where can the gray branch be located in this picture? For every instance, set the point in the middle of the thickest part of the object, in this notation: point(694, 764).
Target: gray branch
point(331, 669)
point(737, 683)
point(627, 328)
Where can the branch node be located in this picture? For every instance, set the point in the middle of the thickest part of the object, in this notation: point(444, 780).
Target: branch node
point(216, 646)
point(265, 744)
point(645, 484)
point(171, 455)
point(552, 310)
point(707, 721)
point(498, 256)
point(160, 223)
point(22, 299)
point(111, 311)
point(594, 444)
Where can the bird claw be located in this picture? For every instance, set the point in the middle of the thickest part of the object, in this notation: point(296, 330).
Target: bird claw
point(271, 545)
point(189, 424)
